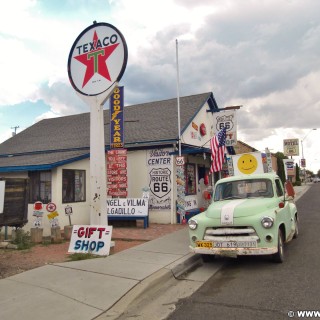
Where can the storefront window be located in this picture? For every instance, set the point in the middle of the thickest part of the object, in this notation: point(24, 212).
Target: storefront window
point(40, 186)
point(191, 179)
point(73, 186)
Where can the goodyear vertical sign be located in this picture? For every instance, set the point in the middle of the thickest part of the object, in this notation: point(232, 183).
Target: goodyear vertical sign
point(116, 119)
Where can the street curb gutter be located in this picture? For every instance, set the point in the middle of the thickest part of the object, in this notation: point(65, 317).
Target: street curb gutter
point(161, 276)
point(189, 262)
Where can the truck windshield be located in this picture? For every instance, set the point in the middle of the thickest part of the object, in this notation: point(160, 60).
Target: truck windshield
point(241, 189)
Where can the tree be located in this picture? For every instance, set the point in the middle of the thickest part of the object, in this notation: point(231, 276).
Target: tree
point(281, 173)
point(298, 180)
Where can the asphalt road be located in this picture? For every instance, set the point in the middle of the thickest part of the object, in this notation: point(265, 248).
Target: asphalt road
point(258, 288)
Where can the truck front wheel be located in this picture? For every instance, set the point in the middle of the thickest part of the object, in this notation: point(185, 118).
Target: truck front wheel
point(279, 256)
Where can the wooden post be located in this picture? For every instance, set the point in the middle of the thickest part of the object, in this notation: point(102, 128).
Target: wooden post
point(36, 235)
point(56, 235)
point(67, 232)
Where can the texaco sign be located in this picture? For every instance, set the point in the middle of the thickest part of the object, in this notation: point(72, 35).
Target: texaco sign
point(97, 59)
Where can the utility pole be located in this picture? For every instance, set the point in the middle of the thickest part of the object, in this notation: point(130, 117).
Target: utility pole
point(15, 130)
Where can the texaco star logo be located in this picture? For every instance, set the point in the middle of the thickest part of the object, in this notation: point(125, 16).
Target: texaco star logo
point(97, 59)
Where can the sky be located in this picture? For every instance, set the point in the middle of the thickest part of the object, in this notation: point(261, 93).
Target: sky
point(261, 54)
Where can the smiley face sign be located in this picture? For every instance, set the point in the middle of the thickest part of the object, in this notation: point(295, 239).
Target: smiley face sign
point(247, 163)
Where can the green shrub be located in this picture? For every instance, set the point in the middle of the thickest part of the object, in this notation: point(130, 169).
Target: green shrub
point(22, 239)
point(81, 256)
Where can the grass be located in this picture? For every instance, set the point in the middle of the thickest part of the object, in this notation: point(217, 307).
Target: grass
point(81, 256)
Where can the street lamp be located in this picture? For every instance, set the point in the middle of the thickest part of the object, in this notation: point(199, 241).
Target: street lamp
point(303, 154)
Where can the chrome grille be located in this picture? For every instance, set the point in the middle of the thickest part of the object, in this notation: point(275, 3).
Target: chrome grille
point(231, 234)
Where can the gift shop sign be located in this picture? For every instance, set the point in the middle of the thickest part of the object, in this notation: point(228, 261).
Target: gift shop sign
point(94, 239)
point(127, 207)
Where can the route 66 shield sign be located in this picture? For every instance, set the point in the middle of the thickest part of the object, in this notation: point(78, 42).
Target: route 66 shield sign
point(160, 182)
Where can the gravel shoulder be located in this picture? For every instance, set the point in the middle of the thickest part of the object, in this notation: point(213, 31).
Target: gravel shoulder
point(16, 261)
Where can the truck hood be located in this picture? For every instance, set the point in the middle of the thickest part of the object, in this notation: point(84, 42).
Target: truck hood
point(240, 207)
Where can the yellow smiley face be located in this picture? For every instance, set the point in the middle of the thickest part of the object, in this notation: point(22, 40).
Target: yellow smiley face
point(247, 164)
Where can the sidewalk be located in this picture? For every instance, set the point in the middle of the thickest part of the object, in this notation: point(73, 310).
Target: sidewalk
point(87, 289)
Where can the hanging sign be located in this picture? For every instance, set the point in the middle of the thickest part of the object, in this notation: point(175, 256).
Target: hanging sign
point(228, 120)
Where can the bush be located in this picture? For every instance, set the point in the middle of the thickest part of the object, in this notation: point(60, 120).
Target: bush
point(22, 239)
point(81, 256)
point(297, 183)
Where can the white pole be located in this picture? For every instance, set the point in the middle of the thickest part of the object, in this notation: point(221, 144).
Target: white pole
point(98, 180)
point(178, 97)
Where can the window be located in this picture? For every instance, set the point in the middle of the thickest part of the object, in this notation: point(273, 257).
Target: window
point(40, 186)
point(241, 189)
point(73, 186)
point(279, 188)
point(191, 179)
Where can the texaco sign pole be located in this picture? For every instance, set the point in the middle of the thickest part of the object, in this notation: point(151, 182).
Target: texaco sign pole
point(96, 63)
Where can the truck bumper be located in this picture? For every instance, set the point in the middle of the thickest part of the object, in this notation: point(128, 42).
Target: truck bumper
point(233, 252)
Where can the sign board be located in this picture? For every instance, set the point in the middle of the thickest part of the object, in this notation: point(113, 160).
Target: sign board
point(228, 120)
point(127, 207)
point(180, 161)
point(97, 59)
point(289, 167)
point(117, 119)
point(191, 202)
point(94, 239)
point(303, 163)
point(51, 207)
point(269, 160)
point(96, 63)
point(68, 210)
point(247, 163)
point(2, 190)
point(291, 147)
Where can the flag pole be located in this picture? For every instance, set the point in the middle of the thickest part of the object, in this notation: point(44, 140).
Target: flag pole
point(178, 98)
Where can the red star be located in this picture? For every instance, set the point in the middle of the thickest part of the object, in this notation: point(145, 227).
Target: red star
point(95, 61)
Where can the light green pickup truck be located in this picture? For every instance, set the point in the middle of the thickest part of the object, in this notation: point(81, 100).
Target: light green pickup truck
point(249, 215)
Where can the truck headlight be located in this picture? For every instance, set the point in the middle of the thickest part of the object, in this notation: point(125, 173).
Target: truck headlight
point(267, 222)
point(193, 224)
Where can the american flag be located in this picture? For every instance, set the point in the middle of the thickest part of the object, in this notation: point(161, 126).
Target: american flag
point(218, 148)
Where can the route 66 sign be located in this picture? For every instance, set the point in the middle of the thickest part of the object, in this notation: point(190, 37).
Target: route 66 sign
point(160, 182)
point(225, 121)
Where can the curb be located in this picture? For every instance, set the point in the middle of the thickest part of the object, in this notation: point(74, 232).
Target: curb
point(180, 267)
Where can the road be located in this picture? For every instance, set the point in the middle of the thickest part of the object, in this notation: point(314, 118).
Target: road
point(257, 288)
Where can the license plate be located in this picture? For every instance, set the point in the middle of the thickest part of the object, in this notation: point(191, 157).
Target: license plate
point(235, 244)
point(204, 244)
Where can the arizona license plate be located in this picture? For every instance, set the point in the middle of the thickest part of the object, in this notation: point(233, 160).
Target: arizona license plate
point(204, 244)
point(235, 244)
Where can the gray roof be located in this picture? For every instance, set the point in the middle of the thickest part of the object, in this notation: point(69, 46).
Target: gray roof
point(52, 142)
